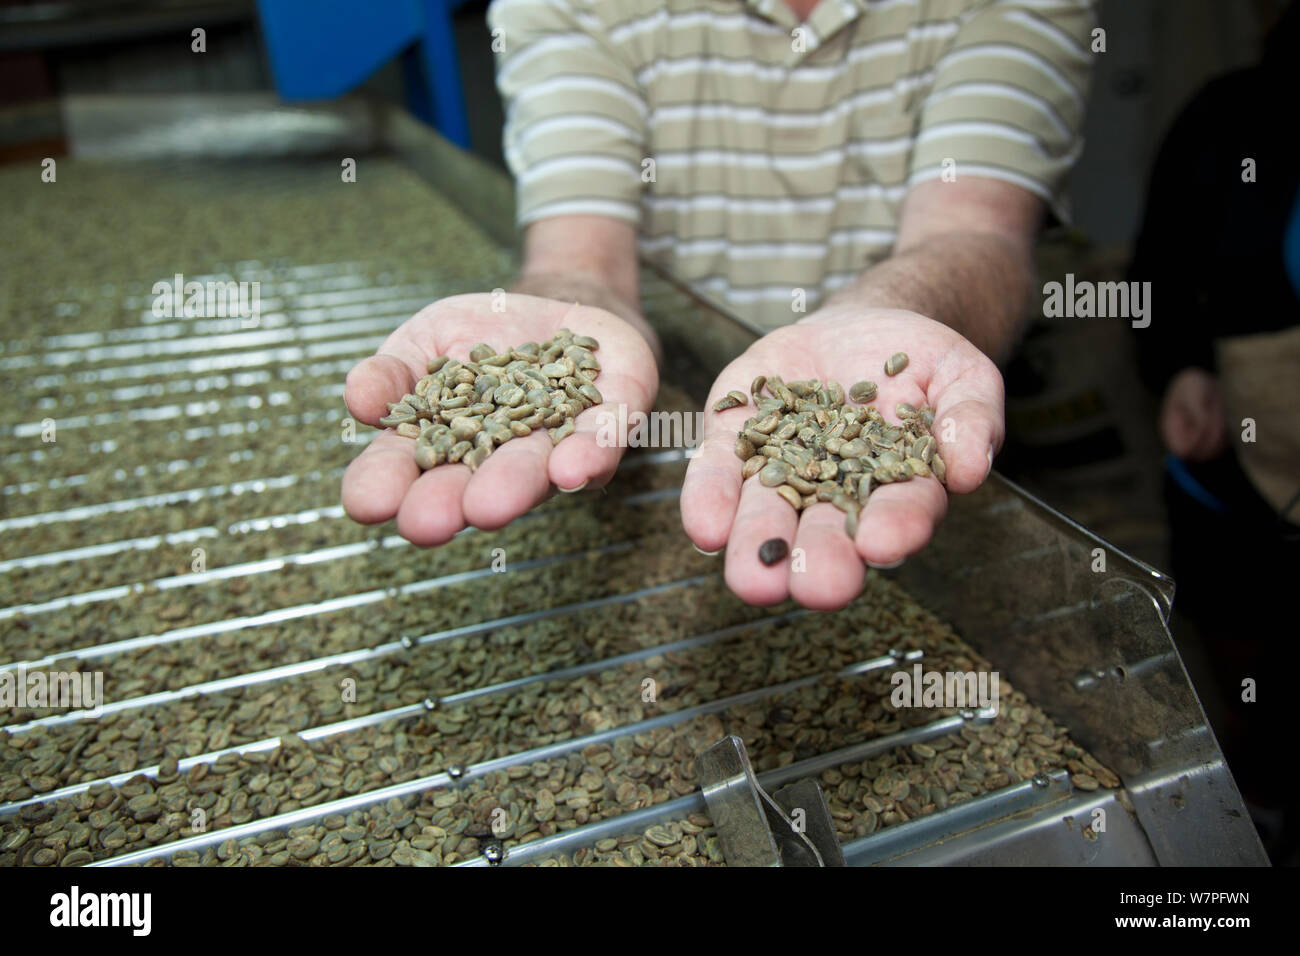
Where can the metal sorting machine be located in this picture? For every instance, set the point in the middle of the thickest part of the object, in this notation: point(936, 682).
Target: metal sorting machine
point(1011, 575)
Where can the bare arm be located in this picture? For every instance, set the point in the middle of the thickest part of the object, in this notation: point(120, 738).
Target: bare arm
point(591, 260)
point(964, 257)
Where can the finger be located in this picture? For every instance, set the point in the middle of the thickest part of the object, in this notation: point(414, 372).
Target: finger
point(374, 381)
point(510, 483)
point(1177, 430)
point(1207, 401)
point(711, 490)
point(1209, 437)
point(711, 493)
point(1218, 431)
point(376, 480)
point(832, 573)
point(899, 519)
point(977, 433)
point(761, 516)
point(969, 425)
point(595, 448)
point(893, 392)
point(1194, 430)
point(431, 514)
point(582, 460)
point(599, 480)
point(1166, 424)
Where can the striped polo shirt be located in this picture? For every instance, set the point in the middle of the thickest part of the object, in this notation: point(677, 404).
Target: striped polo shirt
point(764, 160)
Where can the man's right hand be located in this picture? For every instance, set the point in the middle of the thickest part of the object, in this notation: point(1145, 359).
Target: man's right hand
point(384, 480)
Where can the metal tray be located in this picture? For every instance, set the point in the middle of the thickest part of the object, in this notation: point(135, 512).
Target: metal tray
point(1014, 577)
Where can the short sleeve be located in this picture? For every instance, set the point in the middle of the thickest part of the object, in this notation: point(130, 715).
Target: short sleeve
point(1009, 96)
point(575, 123)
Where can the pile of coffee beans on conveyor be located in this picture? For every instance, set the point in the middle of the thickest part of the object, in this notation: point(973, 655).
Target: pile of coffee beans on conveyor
point(256, 481)
point(867, 795)
point(461, 411)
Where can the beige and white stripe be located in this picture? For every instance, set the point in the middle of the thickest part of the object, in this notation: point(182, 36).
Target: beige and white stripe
point(781, 151)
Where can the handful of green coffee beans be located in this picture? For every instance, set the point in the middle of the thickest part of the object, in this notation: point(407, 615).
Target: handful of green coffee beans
point(461, 411)
point(811, 445)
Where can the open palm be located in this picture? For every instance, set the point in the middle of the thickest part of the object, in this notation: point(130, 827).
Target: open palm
point(945, 372)
point(384, 480)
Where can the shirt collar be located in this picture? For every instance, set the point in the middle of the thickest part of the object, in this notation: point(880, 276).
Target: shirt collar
point(827, 19)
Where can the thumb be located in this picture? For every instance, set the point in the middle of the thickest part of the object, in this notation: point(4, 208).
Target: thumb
point(969, 427)
point(373, 382)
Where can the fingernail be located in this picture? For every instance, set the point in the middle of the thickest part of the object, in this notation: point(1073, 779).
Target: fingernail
point(885, 567)
point(708, 554)
point(989, 470)
point(569, 491)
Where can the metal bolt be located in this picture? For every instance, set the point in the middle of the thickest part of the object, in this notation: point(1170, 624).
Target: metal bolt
point(407, 643)
point(493, 852)
point(967, 714)
point(898, 654)
point(430, 704)
point(456, 771)
point(1041, 780)
point(1085, 680)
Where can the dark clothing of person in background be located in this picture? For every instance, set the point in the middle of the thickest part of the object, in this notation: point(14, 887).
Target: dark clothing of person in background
point(1223, 258)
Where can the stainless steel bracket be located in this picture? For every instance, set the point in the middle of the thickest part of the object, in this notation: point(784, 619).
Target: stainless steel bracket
point(791, 827)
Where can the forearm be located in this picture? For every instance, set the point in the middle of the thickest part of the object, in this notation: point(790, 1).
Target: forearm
point(592, 290)
point(979, 284)
point(590, 260)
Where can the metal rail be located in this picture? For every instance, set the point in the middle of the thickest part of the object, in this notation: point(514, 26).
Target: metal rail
point(637, 820)
point(92, 551)
point(187, 386)
point(229, 361)
point(320, 301)
point(250, 568)
point(253, 485)
point(474, 771)
point(162, 499)
point(299, 611)
point(275, 327)
point(166, 413)
point(279, 310)
point(307, 516)
point(231, 341)
point(253, 375)
point(343, 658)
point(192, 434)
point(1018, 798)
point(408, 711)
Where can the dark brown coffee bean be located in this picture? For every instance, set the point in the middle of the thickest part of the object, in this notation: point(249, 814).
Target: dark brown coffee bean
point(773, 550)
